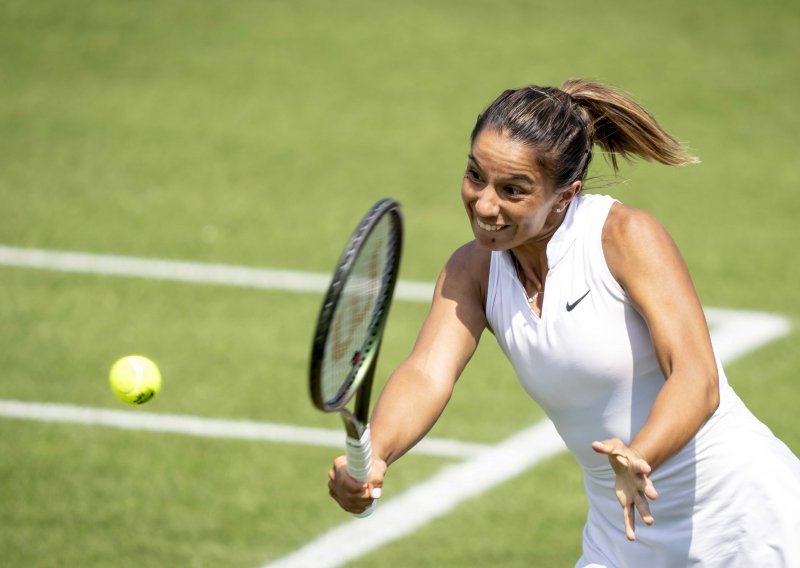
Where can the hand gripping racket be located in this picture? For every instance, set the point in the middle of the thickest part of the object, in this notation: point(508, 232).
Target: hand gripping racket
point(350, 327)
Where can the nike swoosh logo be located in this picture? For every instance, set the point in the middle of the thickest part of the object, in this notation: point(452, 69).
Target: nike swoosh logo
point(571, 306)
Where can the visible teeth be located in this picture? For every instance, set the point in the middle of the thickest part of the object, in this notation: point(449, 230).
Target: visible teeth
point(486, 227)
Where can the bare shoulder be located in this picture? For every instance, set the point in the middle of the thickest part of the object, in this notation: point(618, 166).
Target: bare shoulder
point(466, 273)
point(469, 259)
point(462, 285)
point(625, 224)
point(633, 239)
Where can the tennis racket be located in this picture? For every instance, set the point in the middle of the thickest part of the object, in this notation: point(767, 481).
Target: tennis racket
point(350, 327)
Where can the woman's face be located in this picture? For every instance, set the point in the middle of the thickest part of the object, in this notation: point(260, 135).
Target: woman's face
point(509, 200)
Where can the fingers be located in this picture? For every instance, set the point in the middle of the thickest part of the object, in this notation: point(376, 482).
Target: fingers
point(622, 458)
point(352, 495)
point(613, 448)
point(641, 470)
point(629, 520)
point(602, 447)
point(638, 464)
point(340, 474)
point(351, 499)
point(649, 489)
point(640, 504)
point(610, 446)
point(633, 484)
point(643, 506)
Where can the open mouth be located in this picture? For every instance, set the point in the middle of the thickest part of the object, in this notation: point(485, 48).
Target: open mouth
point(489, 228)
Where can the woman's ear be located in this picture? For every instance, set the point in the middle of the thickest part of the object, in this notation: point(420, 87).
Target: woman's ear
point(568, 195)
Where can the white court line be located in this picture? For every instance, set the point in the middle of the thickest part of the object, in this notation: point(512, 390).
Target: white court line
point(734, 333)
point(195, 272)
point(738, 332)
point(210, 427)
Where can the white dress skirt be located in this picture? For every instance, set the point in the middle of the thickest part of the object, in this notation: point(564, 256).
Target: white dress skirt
point(730, 497)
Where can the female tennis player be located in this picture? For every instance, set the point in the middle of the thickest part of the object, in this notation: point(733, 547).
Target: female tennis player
point(592, 303)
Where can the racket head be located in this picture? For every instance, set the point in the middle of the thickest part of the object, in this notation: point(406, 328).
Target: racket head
point(356, 307)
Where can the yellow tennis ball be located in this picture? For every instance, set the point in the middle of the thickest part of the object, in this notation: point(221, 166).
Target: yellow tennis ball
point(135, 379)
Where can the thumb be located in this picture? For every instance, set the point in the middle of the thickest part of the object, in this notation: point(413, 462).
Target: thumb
point(376, 477)
point(616, 451)
point(608, 447)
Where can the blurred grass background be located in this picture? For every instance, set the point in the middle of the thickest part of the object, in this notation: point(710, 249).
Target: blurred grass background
point(256, 133)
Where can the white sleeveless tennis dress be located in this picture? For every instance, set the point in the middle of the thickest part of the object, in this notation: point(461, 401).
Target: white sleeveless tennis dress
point(731, 497)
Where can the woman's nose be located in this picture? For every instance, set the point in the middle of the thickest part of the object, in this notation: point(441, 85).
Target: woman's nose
point(487, 203)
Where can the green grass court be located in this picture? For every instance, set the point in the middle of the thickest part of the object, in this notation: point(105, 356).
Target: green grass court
point(256, 134)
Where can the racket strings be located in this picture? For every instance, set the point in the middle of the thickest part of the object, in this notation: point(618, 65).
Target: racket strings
point(358, 312)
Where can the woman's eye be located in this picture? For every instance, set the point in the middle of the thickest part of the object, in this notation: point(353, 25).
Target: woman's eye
point(513, 190)
point(473, 175)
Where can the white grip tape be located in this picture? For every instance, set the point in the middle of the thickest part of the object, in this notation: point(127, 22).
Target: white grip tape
point(359, 456)
point(359, 462)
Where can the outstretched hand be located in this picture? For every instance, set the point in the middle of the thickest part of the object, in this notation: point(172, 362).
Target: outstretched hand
point(633, 486)
point(352, 495)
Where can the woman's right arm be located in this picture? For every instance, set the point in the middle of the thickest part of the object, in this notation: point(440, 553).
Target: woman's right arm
point(419, 389)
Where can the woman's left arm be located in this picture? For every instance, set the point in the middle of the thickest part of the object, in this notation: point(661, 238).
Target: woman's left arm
point(646, 262)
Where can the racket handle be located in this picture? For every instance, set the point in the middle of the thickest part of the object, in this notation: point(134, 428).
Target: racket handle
point(359, 462)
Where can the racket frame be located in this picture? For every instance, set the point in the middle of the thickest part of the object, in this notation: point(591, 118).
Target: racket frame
point(360, 377)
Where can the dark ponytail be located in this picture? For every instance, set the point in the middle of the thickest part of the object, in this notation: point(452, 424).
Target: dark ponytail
point(562, 125)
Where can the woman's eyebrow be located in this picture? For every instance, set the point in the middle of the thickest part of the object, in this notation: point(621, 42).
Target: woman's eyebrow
point(520, 177)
